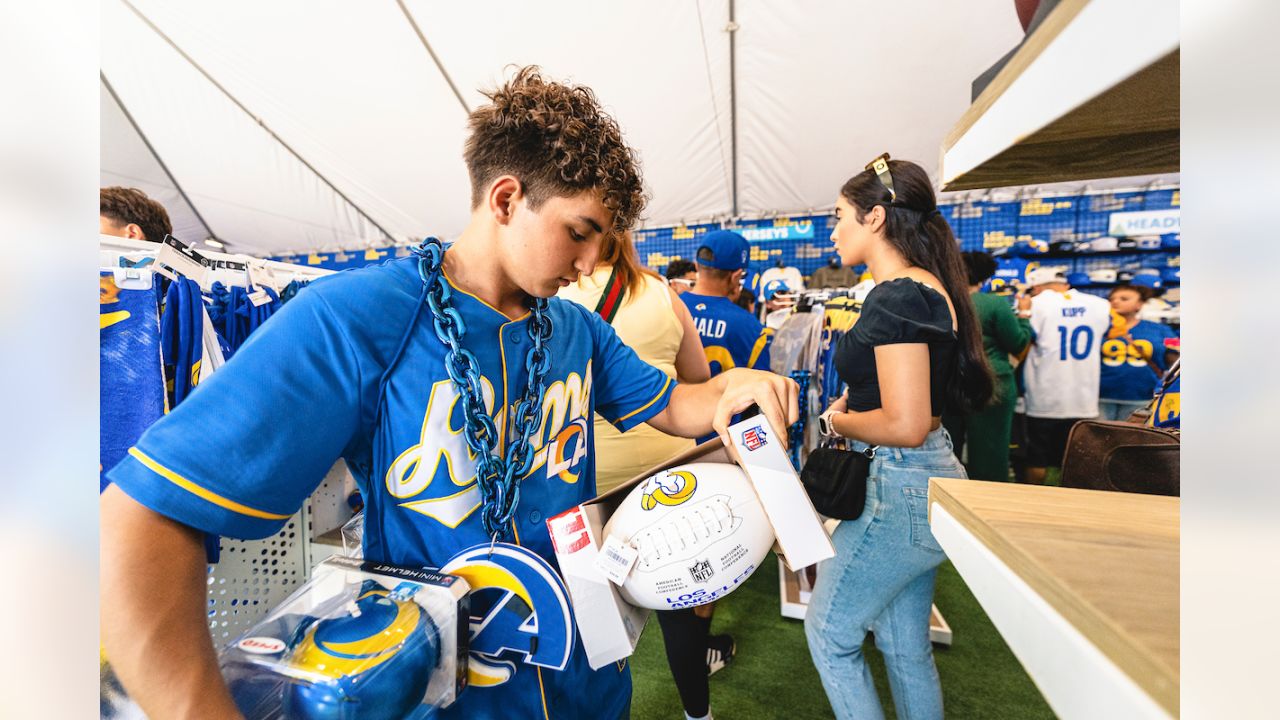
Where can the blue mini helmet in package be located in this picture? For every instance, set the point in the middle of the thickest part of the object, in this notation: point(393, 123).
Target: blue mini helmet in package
point(359, 641)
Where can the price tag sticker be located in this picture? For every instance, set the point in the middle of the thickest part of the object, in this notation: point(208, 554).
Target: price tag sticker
point(183, 260)
point(616, 560)
point(259, 298)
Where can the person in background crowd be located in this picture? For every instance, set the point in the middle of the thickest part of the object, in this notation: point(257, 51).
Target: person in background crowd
point(779, 299)
point(985, 434)
point(129, 213)
point(649, 319)
point(731, 337)
point(915, 347)
point(745, 300)
point(1062, 370)
point(681, 275)
point(833, 275)
point(1133, 363)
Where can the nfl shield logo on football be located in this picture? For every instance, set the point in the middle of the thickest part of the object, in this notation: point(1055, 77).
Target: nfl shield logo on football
point(754, 438)
point(701, 571)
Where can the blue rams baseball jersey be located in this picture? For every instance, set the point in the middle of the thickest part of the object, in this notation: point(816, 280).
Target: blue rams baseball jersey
point(1126, 369)
point(182, 337)
point(131, 382)
point(352, 368)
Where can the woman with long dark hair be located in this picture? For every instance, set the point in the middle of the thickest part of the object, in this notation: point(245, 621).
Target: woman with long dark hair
point(915, 348)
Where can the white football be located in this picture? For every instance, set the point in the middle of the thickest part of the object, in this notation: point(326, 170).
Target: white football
point(699, 532)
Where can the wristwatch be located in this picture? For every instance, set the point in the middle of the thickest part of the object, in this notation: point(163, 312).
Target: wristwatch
point(825, 425)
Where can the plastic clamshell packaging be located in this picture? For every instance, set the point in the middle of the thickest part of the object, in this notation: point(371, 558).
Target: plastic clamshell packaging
point(359, 641)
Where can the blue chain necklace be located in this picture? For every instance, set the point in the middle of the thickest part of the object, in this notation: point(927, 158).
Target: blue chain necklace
point(498, 477)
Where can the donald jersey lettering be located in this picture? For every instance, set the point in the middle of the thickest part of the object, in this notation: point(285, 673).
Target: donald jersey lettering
point(731, 336)
point(352, 368)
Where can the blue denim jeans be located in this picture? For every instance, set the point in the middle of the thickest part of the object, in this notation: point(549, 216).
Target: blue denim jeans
point(881, 579)
point(1119, 409)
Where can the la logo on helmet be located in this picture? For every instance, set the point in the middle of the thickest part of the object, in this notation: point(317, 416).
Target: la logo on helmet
point(520, 612)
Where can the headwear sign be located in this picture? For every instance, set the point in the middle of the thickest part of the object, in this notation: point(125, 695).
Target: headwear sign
point(1148, 222)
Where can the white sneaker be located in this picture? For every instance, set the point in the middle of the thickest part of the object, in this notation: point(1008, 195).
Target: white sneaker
point(720, 652)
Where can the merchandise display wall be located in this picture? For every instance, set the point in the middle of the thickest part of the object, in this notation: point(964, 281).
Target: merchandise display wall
point(803, 241)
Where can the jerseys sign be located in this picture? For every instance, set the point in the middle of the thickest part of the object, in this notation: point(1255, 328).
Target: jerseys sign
point(1150, 222)
point(798, 230)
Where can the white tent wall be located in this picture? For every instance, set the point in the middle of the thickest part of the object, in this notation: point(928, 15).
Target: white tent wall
point(822, 86)
point(644, 61)
point(127, 161)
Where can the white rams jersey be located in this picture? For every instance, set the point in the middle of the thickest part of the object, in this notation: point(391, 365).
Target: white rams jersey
point(1062, 368)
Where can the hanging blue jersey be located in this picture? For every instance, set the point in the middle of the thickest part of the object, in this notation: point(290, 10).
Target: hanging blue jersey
point(1126, 372)
point(352, 368)
point(731, 336)
point(131, 383)
point(182, 337)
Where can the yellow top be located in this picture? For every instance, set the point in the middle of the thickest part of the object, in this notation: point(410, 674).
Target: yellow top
point(647, 323)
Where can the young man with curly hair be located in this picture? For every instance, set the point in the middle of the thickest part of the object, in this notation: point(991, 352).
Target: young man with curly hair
point(459, 467)
point(129, 213)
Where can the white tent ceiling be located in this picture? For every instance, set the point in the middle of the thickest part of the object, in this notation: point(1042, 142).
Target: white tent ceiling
point(222, 90)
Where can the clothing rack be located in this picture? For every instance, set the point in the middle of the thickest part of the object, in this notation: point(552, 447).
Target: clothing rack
point(281, 271)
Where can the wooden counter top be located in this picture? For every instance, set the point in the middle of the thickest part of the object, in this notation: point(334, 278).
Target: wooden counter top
point(1107, 562)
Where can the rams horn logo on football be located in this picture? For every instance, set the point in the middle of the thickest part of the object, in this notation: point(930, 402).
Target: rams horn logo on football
point(673, 489)
point(520, 612)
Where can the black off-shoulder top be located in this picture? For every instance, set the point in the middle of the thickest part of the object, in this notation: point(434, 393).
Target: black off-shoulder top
point(897, 311)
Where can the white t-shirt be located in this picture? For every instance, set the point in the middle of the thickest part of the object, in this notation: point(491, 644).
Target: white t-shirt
point(1062, 369)
point(790, 275)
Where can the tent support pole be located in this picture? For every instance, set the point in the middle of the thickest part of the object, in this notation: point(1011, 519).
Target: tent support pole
point(257, 119)
point(439, 65)
point(733, 104)
point(160, 161)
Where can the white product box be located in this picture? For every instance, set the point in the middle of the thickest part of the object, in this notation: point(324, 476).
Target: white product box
point(608, 625)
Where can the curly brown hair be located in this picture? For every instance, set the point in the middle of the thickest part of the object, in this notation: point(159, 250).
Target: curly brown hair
point(124, 205)
point(557, 141)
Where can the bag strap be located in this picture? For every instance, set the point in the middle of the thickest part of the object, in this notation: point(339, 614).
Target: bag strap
point(1146, 412)
point(611, 299)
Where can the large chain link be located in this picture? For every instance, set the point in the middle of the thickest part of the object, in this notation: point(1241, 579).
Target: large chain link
point(498, 477)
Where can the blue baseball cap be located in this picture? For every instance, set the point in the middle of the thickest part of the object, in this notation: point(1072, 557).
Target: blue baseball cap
point(1078, 279)
point(774, 287)
point(1147, 280)
point(723, 250)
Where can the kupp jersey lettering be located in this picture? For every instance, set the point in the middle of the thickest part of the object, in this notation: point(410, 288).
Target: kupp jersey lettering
point(1061, 372)
point(352, 368)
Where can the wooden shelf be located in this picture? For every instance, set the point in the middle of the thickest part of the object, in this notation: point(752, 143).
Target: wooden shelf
point(1092, 93)
point(1105, 562)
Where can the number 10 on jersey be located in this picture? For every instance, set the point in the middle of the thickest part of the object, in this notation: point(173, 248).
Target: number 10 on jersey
point(1077, 341)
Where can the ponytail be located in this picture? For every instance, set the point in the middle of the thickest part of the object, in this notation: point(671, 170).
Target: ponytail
point(915, 227)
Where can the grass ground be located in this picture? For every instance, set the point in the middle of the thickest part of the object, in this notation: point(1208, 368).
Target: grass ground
point(773, 676)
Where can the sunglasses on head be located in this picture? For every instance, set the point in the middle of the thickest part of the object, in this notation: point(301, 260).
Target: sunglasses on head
point(881, 168)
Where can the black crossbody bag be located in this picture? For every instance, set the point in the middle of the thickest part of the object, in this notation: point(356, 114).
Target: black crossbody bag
point(836, 481)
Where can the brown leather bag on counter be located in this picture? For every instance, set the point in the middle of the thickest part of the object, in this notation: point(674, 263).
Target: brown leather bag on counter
point(1126, 456)
point(1121, 456)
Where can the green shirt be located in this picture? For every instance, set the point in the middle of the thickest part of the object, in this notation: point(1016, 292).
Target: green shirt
point(1003, 332)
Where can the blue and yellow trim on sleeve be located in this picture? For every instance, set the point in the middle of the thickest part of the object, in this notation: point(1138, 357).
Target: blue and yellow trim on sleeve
point(174, 495)
point(649, 409)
